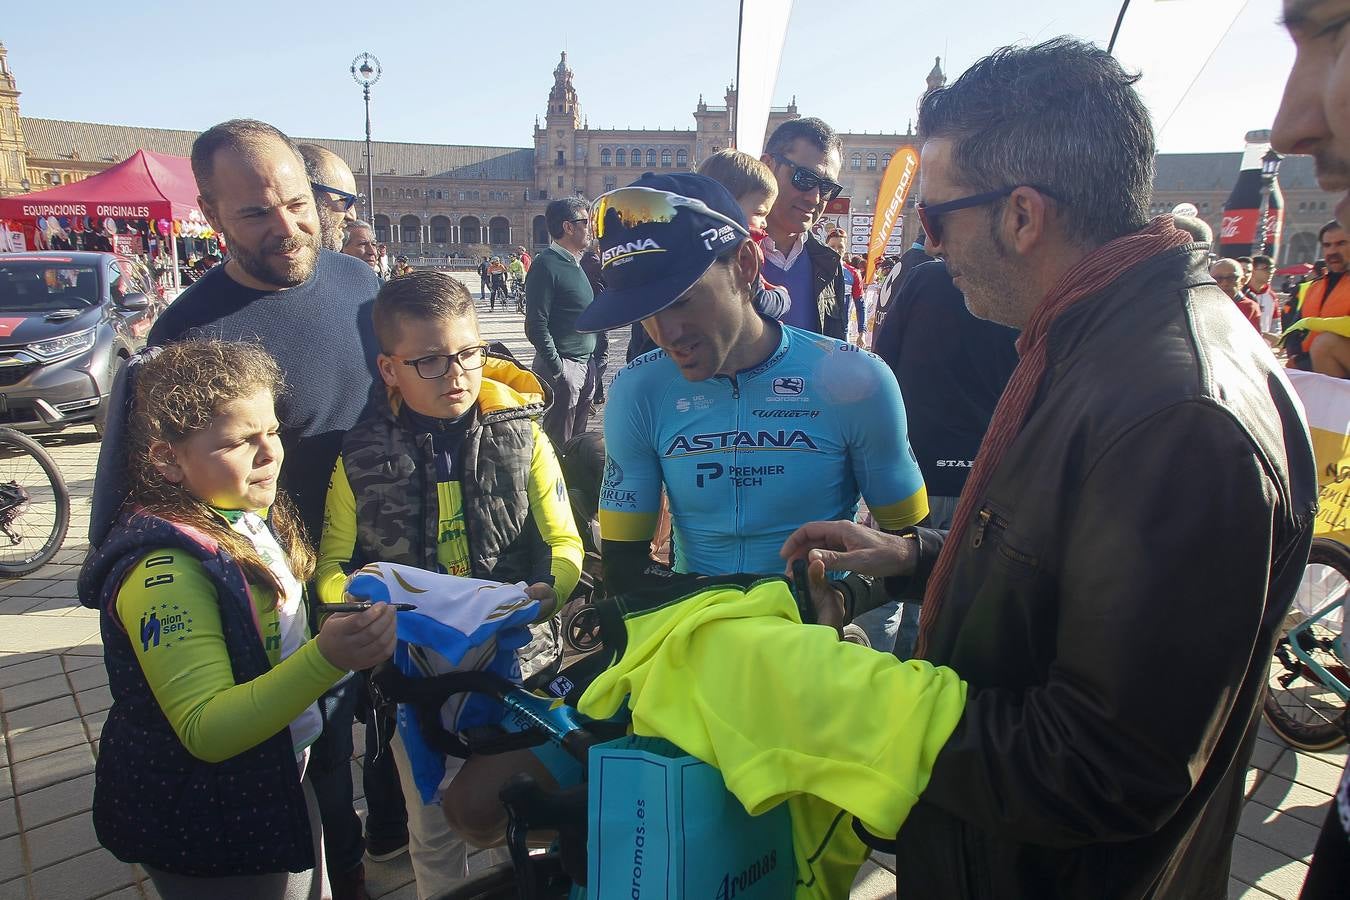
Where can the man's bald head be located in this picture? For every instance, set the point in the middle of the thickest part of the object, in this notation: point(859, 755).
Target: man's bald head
point(1229, 275)
point(253, 190)
point(335, 209)
point(248, 138)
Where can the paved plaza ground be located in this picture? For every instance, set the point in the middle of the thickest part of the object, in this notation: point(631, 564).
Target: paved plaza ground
point(54, 699)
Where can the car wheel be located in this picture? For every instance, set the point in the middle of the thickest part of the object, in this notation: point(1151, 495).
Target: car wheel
point(101, 417)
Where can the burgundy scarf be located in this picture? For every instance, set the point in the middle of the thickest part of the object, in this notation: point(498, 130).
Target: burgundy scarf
point(1093, 273)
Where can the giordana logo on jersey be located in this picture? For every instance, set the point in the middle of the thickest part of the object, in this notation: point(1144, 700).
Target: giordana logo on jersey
point(740, 440)
point(789, 386)
point(623, 252)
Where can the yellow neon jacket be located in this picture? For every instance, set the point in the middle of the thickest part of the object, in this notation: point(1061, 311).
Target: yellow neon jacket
point(787, 713)
point(188, 668)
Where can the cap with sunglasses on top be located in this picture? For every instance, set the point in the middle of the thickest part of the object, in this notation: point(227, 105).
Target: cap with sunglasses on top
point(657, 237)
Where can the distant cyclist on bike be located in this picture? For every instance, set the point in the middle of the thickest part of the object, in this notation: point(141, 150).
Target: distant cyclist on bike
point(752, 427)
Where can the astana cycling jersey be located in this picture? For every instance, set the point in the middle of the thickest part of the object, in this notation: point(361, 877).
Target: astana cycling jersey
point(747, 459)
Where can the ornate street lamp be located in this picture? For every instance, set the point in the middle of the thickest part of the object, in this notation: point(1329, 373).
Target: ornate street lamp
point(1270, 169)
point(365, 72)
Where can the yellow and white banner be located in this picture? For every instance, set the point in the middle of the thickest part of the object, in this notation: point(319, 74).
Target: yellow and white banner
point(1327, 402)
point(895, 185)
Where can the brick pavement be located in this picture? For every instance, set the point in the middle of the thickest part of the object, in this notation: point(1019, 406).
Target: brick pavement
point(54, 699)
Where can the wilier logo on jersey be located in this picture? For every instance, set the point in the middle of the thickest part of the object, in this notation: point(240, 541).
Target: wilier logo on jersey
point(740, 440)
point(789, 386)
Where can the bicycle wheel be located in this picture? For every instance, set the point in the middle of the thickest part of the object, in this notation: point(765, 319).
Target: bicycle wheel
point(581, 627)
point(1304, 711)
point(34, 505)
point(500, 882)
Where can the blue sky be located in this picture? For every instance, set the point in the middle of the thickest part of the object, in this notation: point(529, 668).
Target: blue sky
point(479, 73)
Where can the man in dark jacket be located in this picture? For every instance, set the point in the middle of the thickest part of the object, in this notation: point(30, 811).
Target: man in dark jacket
point(1146, 478)
point(952, 368)
point(804, 155)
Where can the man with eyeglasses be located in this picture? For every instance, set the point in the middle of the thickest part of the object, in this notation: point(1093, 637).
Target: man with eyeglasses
point(556, 293)
point(335, 194)
point(804, 155)
point(1146, 478)
point(310, 308)
point(1229, 275)
point(750, 426)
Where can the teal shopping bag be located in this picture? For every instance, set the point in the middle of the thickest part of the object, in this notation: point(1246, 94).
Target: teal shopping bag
point(663, 825)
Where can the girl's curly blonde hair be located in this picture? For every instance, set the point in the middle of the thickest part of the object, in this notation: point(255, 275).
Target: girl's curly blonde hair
point(178, 393)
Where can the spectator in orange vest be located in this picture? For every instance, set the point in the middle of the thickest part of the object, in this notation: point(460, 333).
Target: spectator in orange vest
point(1323, 351)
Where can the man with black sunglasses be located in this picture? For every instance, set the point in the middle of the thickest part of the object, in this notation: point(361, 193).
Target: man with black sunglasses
point(805, 157)
point(335, 195)
point(1086, 544)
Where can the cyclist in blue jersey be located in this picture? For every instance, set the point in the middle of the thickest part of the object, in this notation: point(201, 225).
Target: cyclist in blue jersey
point(752, 427)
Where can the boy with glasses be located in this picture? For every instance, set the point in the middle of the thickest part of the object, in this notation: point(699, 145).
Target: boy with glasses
point(452, 475)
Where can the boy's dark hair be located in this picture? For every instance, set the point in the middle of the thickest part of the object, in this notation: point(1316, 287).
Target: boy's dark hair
point(1261, 261)
point(814, 131)
point(559, 211)
point(426, 296)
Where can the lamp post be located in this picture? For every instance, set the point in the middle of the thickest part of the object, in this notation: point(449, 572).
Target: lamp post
point(1270, 168)
point(365, 72)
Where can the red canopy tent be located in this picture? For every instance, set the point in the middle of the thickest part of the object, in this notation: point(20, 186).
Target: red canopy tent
point(146, 185)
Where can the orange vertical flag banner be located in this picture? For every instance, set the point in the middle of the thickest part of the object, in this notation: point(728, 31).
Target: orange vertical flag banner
point(895, 185)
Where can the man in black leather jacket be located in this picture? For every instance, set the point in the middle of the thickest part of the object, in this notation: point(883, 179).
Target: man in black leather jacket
point(1114, 580)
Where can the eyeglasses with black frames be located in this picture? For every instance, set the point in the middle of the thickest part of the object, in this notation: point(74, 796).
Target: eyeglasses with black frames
point(437, 365)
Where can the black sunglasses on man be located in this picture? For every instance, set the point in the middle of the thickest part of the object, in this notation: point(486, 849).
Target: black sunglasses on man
point(347, 199)
point(804, 180)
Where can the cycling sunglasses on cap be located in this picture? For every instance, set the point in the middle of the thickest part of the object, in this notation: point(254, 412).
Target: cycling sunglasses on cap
point(346, 198)
point(644, 206)
point(930, 217)
point(804, 180)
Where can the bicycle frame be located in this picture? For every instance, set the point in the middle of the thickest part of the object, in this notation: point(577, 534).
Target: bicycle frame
point(1325, 676)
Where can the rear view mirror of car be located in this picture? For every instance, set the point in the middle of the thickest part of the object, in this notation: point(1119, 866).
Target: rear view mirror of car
point(134, 301)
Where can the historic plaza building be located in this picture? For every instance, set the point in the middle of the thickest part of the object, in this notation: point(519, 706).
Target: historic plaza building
point(437, 200)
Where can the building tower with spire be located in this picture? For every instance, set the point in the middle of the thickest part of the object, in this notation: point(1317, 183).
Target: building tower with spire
point(13, 148)
point(935, 78)
point(560, 159)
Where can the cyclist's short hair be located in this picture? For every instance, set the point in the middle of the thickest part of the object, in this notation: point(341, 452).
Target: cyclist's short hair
point(740, 173)
point(428, 296)
point(812, 130)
